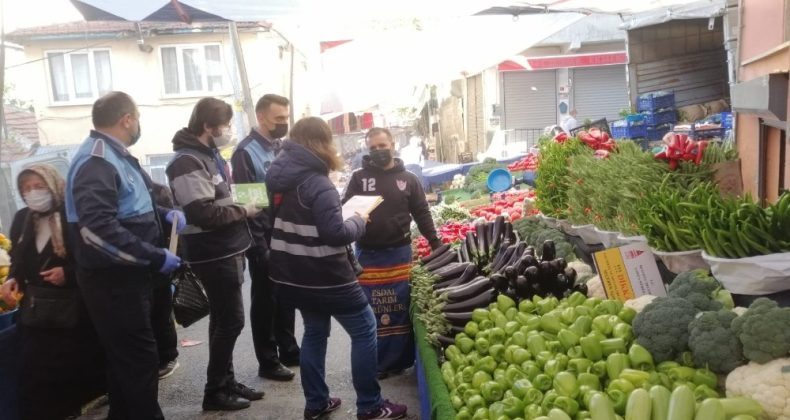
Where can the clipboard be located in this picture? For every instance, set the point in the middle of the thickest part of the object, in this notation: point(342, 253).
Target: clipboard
point(174, 234)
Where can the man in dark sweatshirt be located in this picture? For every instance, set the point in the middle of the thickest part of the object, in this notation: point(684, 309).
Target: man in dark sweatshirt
point(385, 249)
point(272, 324)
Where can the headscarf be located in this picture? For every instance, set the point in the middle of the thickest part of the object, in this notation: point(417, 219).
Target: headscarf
point(56, 185)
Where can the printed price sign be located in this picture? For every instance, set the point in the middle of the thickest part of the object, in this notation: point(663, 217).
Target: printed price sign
point(628, 272)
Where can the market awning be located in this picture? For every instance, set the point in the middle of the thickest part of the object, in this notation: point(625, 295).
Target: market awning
point(386, 67)
point(706, 9)
point(622, 7)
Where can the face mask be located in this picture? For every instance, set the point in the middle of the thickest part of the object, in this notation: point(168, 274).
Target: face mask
point(221, 140)
point(280, 130)
point(38, 200)
point(381, 157)
point(136, 136)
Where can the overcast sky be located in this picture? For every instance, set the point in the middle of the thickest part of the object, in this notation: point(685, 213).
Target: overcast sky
point(24, 13)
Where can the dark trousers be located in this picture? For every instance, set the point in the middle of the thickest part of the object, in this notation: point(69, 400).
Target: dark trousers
point(222, 280)
point(163, 323)
point(119, 303)
point(272, 322)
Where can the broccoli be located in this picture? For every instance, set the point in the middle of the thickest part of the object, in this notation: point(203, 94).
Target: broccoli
point(698, 287)
point(763, 331)
point(662, 327)
point(713, 343)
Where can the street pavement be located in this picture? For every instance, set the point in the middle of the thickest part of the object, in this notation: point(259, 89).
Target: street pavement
point(181, 394)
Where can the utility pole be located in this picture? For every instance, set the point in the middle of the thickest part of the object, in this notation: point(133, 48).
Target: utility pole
point(247, 103)
point(291, 81)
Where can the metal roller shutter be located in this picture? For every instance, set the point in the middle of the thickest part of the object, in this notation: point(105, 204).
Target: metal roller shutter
point(600, 92)
point(529, 99)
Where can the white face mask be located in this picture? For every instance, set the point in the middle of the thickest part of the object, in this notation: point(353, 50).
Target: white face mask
point(222, 140)
point(38, 200)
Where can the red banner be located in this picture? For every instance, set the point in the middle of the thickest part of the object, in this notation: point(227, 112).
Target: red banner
point(564, 61)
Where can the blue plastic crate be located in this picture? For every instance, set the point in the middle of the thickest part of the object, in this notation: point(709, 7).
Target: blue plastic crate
point(622, 130)
point(726, 120)
point(657, 133)
point(666, 116)
point(708, 133)
point(654, 101)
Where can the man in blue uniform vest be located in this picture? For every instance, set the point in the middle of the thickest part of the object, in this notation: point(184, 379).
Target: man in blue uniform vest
point(272, 324)
point(118, 235)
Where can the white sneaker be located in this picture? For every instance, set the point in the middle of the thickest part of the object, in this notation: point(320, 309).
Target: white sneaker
point(168, 369)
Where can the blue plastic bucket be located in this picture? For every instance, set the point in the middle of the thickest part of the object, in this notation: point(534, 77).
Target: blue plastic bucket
point(500, 180)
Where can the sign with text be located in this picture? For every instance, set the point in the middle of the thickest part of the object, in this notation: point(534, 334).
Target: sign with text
point(629, 271)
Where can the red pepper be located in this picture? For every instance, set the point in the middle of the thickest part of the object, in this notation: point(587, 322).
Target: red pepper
point(661, 156)
point(605, 136)
point(673, 164)
point(690, 145)
point(702, 146)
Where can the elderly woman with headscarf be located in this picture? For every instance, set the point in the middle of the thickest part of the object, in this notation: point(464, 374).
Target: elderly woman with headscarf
point(61, 366)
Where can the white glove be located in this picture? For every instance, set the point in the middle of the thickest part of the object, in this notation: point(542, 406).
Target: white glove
point(252, 209)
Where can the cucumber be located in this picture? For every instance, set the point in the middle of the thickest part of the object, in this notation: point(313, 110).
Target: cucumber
point(710, 409)
point(681, 404)
point(743, 417)
point(601, 407)
point(638, 406)
point(659, 401)
point(740, 405)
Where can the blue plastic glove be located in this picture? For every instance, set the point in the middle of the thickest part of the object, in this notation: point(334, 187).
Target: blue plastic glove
point(172, 262)
point(182, 220)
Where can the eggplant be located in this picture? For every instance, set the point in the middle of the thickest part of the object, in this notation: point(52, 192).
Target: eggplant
point(562, 263)
point(556, 266)
point(531, 261)
point(463, 252)
point(497, 231)
point(435, 254)
point(482, 242)
point(456, 330)
point(506, 256)
point(516, 254)
point(522, 264)
point(509, 232)
point(547, 274)
point(532, 274)
point(464, 277)
point(500, 251)
point(450, 271)
point(581, 288)
point(522, 287)
point(458, 318)
point(549, 250)
point(480, 300)
point(445, 341)
point(490, 236)
point(561, 285)
point(469, 290)
point(471, 245)
point(500, 282)
point(442, 261)
point(571, 274)
point(510, 274)
point(530, 250)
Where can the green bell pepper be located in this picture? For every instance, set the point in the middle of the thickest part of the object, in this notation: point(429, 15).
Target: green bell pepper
point(532, 324)
point(497, 335)
point(456, 401)
point(565, 384)
point(486, 364)
point(702, 392)
point(531, 369)
point(465, 344)
point(589, 380)
point(602, 324)
point(640, 358)
point(467, 374)
point(519, 339)
point(453, 353)
point(548, 400)
point(551, 323)
point(579, 365)
point(608, 307)
point(511, 327)
point(636, 377)
point(520, 355)
point(480, 314)
point(532, 411)
point(583, 415)
point(520, 387)
point(665, 367)
point(499, 375)
point(563, 360)
point(547, 305)
point(499, 318)
point(479, 378)
point(471, 397)
point(486, 325)
point(587, 396)
point(568, 338)
point(492, 391)
point(533, 396)
point(627, 315)
point(705, 377)
point(567, 316)
point(463, 414)
point(555, 346)
point(592, 302)
point(497, 351)
point(536, 344)
point(526, 306)
point(481, 345)
point(481, 414)
point(543, 357)
point(548, 336)
point(552, 367)
point(613, 345)
point(576, 299)
point(599, 368)
point(504, 303)
point(582, 326)
point(471, 328)
point(567, 404)
point(583, 311)
point(620, 385)
point(513, 407)
point(623, 331)
point(508, 355)
point(513, 374)
point(682, 374)
point(686, 359)
point(619, 400)
point(542, 382)
point(575, 352)
point(591, 346)
point(523, 318)
point(510, 314)
point(615, 364)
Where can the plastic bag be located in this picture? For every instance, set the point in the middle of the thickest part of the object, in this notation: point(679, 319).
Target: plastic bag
point(760, 275)
point(587, 233)
point(680, 262)
point(608, 237)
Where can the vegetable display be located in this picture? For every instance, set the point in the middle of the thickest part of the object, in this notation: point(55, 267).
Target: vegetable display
point(527, 163)
point(680, 148)
point(507, 204)
point(597, 139)
point(551, 184)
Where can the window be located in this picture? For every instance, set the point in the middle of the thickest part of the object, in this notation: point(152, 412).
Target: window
point(193, 69)
point(157, 165)
point(80, 76)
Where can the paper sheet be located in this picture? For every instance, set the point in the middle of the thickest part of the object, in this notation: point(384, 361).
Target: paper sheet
point(362, 204)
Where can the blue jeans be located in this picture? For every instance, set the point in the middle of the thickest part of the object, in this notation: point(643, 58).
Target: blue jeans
point(361, 327)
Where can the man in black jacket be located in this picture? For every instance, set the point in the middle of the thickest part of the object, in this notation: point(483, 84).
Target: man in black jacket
point(272, 324)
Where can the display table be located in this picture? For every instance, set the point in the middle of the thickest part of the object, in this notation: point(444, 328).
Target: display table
point(434, 397)
point(434, 175)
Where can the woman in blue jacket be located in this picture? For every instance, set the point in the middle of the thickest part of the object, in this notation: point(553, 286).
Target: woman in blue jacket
point(312, 272)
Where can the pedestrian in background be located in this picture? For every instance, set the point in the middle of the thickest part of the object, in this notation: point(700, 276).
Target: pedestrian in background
point(214, 242)
point(118, 233)
point(272, 323)
point(311, 269)
point(385, 249)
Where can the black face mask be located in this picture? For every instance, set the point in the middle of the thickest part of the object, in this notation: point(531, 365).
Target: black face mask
point(381, 157)
point(280, 130)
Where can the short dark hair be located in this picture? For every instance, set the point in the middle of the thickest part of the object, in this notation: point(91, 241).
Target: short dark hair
point(378, 130)
point(267, 100)
point(110, 108)
point(211, 111)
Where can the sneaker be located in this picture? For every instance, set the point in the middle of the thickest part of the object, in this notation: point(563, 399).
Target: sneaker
point(387, 410)
point(224, 401)
point(332, 405)
point(384, 375)
point(276, 373)
point(246, 392)
point(168, 369)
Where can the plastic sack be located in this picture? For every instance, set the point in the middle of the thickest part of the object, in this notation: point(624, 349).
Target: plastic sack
point(759, 275)
point(628, 240)
point(608, 237)
point(549, 221)
point(680, 262)
point(587, 233)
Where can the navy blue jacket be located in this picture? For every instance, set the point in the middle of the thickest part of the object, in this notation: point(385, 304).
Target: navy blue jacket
point(308, 260)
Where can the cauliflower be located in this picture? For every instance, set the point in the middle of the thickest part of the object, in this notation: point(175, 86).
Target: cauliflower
point(662, 327)
point(5, 260)
point(739, 310)
point(638, 304)
point(768, 384)
point(712, 342)
point(595, 288)
point(763, 331)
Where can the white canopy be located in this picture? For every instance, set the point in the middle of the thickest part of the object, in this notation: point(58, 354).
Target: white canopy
point(624, 7)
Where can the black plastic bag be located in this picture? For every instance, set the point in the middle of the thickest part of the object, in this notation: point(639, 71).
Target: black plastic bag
point(190, 302)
